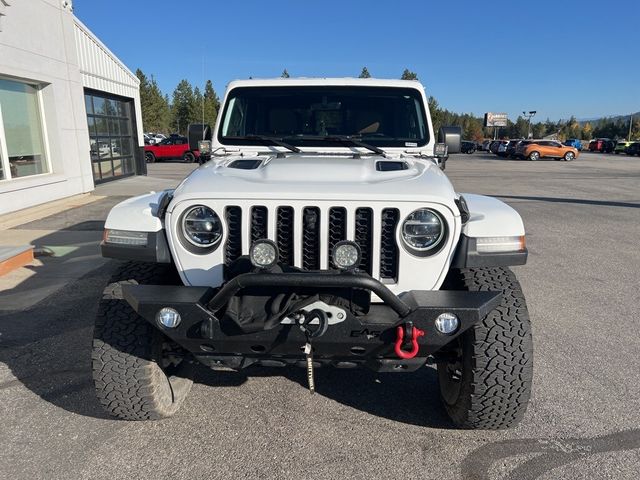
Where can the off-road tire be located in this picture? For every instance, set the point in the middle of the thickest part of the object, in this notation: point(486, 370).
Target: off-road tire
point(496, 363)
point(127, 364)
point(149, 157)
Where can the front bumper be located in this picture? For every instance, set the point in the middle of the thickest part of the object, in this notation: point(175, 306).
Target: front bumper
point(364, 339)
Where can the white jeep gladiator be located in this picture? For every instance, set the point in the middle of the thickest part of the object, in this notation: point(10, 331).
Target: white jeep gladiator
point(321, 232)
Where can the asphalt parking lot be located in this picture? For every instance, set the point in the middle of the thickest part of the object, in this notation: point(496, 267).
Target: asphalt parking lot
point(583, 289)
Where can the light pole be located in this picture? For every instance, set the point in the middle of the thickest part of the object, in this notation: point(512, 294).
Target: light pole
point(528, 116)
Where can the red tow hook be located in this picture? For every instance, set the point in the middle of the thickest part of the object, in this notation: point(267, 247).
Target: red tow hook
point(413, 333)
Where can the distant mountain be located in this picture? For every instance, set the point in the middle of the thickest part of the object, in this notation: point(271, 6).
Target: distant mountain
point(615, 118)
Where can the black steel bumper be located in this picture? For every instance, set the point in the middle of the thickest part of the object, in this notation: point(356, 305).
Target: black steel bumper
point(365, 339)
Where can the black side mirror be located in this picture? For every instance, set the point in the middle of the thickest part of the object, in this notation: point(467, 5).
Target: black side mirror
point(451, 137)
point(198, 132)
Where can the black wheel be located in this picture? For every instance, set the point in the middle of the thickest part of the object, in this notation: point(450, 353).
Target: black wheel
point(533, 156)
point(149, 157)
point(486, 375)
point(138, 373)
point(189, 157)
point(569, 156)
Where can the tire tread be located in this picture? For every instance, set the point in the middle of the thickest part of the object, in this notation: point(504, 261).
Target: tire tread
point(128, 382)
point(500, 348)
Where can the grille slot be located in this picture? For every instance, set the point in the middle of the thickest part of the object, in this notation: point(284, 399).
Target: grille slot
point(315, 235)
point(364, 237)
point(259, 218)
point(337, 229)
point(388, 247)
point(233, 246)
point(284, 234)
point(311, 238)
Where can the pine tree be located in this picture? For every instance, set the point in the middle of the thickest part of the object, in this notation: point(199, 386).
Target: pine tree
point(155, 107)
point(211, 104)
point(183, 107)
point(285, 74)
point(408, 75)
point(198, 99)
point(364, 73)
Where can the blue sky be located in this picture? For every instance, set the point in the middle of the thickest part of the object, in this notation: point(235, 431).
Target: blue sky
point(561, 58)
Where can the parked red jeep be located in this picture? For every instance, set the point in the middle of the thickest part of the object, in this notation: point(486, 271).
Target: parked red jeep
point(602, 145)
point(172, 147)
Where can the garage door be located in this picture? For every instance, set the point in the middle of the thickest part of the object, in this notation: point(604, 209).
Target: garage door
point(111, 135)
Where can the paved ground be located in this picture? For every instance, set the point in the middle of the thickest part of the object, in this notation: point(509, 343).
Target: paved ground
point(582, 286)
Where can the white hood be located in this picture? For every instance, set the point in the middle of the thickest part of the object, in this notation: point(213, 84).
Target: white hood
point(317, 176)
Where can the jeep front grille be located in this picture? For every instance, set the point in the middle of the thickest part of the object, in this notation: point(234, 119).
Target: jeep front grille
point(388, 247)
point(311, 238)
point(298, 233)
point(284, 234)
point(233, 245)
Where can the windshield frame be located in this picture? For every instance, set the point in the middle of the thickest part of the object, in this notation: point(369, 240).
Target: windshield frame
point(322, 144)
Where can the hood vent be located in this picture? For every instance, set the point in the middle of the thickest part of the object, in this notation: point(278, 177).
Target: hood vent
point(391, 166)
point(245, 164)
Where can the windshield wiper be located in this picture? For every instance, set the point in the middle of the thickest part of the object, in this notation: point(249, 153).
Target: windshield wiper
point(345, 139)
point(270, 141)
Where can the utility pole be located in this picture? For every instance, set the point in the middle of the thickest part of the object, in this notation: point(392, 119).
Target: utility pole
point(528, 116)
point(630, 123)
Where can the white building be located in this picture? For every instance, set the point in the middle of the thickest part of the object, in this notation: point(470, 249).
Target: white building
point(69, 109)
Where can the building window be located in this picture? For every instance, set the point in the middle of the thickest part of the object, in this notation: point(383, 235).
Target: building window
point(110, 136)
point(22, 151)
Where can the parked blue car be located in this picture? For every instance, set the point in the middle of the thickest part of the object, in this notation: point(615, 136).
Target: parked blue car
point(575, 143)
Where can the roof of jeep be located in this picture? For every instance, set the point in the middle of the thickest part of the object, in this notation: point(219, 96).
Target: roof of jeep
point(302, 81)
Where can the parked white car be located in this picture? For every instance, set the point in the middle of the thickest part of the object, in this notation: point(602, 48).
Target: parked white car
point(154, 138)
point(321, 233)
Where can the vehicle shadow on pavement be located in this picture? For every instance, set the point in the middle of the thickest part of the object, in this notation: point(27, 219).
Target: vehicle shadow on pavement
point(387, 395)
point(47, 347)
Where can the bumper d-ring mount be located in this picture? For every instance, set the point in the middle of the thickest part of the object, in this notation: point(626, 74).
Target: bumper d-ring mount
point(408, 334)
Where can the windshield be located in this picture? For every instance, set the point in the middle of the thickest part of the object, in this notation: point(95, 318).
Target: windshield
point(317, 116)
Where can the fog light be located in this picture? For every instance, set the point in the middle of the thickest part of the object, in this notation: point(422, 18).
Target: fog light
point(168, 317)
point(447, 323)
point(346, 255)
point(263, 254)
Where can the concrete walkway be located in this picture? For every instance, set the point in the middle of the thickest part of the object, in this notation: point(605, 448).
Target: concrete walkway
point(66, 235)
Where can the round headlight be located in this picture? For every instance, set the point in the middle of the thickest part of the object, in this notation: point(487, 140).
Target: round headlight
point(202, 227)
point(423, 230)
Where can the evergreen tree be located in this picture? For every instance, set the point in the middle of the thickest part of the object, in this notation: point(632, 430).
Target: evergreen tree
point(183, 107)
point(408, 75)
point(155, 107)
point(211, 104)
point(285, 74)
point(364, 73)
point(437, 114)
point(521, 127)
point(198, 99)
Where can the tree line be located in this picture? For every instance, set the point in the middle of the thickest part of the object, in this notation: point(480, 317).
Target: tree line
point(161, 113)
point(187, 104)
point(473, 127)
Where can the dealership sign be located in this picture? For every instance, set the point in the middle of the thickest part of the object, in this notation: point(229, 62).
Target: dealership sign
point(495, 119)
